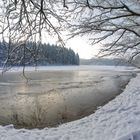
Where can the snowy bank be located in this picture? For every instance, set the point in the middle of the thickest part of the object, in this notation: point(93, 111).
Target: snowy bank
point(118, 120)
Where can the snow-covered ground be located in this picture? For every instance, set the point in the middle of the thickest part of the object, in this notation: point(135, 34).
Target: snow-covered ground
point(117, 120)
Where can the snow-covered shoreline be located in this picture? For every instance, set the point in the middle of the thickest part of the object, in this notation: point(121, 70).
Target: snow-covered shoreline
point(117, 120)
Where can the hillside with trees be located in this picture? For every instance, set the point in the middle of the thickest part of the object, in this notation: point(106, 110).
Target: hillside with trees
point(105, 61)
point(36, 54)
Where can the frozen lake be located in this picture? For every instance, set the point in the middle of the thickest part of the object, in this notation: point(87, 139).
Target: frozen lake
point(54, 95)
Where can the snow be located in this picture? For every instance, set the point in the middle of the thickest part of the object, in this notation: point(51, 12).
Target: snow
point(117, 120)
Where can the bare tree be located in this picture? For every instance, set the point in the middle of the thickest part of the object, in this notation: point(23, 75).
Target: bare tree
point(114, 24)
point(26, 20)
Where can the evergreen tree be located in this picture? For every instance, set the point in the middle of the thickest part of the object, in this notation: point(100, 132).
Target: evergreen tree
point(37, 54)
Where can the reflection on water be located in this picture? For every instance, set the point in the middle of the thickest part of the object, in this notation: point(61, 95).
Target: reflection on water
point(51, 98)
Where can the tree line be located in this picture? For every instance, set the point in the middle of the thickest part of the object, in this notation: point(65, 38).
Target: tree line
point(36, 54)
point(105, 61)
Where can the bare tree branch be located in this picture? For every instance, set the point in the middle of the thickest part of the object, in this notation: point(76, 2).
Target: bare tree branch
point(114, 24)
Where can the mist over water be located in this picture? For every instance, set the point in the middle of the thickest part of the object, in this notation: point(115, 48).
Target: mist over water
point(50, 98)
